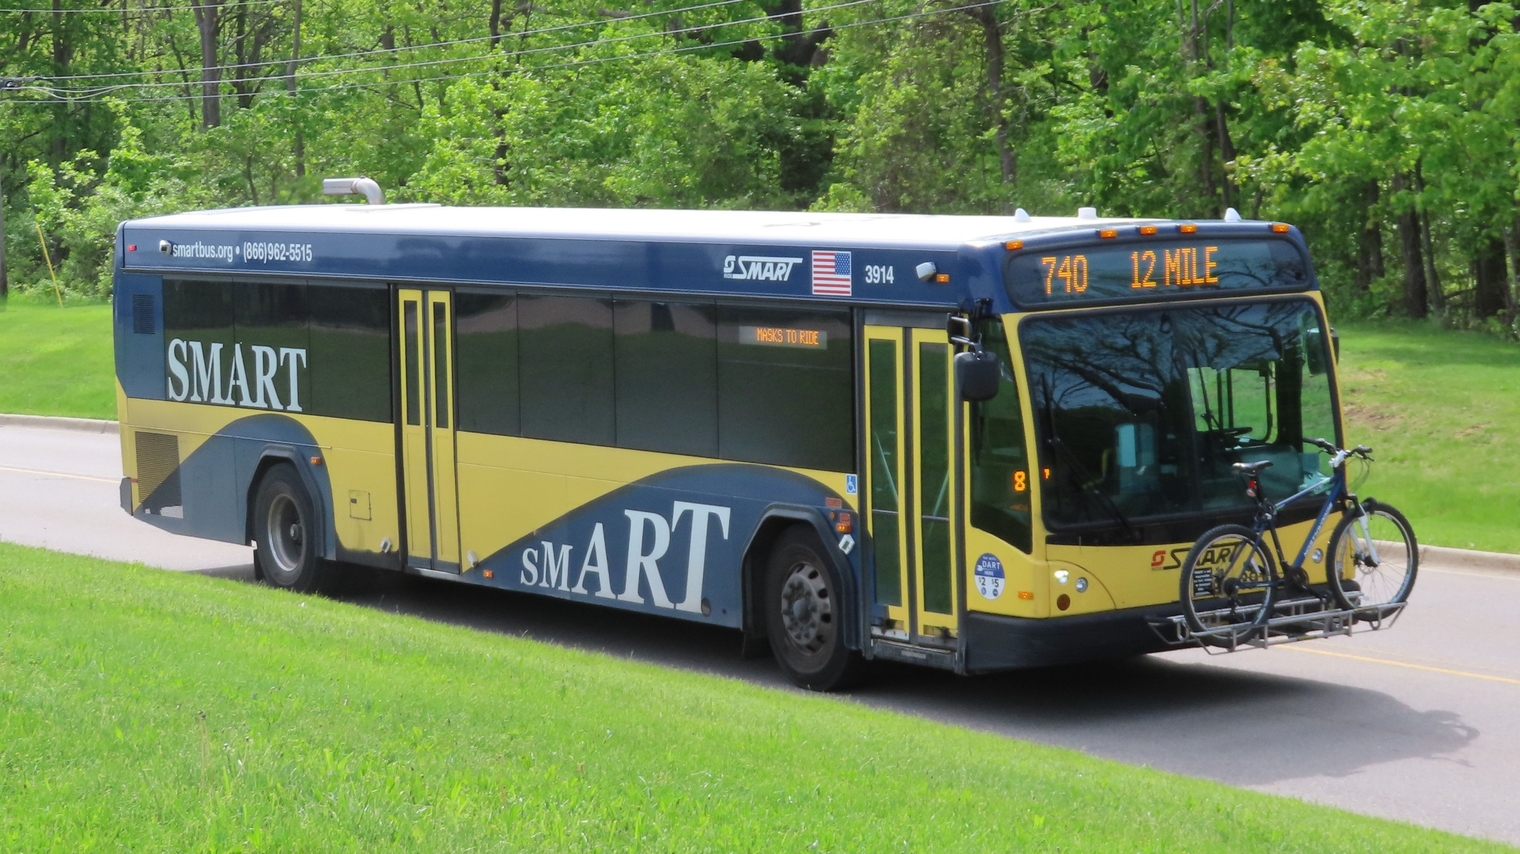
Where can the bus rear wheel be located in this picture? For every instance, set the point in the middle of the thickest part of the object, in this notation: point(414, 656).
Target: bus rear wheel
point(284, 529)
point(804, 615)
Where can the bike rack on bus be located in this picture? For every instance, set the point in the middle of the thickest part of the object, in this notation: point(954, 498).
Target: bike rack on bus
point(1292, 620)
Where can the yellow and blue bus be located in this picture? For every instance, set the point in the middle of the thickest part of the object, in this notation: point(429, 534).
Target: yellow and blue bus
point(972, 443)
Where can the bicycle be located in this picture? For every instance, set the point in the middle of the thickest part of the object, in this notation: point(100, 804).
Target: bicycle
point(1230, 583)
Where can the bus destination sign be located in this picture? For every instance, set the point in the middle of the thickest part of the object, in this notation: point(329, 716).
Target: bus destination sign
point(1153, 269)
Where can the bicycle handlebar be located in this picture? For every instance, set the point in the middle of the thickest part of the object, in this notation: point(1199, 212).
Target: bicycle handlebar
point(1338, 456)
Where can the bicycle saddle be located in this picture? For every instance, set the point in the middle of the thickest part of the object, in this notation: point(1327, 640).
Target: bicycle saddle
point(1252, 468)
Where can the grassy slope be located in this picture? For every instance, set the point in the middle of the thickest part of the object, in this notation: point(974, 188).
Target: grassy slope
point(1442, 412)
point(56, 361)
point(146, 710)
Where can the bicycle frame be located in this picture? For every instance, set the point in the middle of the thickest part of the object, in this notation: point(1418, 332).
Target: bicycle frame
point(1266, 517)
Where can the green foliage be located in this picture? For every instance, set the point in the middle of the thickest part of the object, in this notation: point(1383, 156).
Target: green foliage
point(79, 208)
point(146, 710)
point(1373, 124)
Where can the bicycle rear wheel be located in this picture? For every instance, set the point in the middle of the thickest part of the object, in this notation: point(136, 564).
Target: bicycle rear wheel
point(1228, 581)
point(1376, 565)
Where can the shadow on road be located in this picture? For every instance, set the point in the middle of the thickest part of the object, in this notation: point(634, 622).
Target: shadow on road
point(1180, 714)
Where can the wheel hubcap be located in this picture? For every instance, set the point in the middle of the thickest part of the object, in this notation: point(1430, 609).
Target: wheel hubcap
point(807, 613)
point(287, 540)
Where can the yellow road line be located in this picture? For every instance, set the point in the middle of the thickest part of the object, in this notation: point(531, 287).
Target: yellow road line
point(60, 474)
point(1426, 667)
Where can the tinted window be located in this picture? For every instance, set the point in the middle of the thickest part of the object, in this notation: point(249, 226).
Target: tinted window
point(486, 355)
point(272, 340)
point(1000, 472)
point(667, 377)
point(349, 358)
point(565, 348)
point(785, 388)
point(198, 336)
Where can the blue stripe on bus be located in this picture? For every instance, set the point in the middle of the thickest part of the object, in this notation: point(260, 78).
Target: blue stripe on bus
point(646, 531)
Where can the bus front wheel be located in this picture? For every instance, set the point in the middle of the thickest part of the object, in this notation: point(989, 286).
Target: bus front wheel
point(804, 615)
point(284, 530)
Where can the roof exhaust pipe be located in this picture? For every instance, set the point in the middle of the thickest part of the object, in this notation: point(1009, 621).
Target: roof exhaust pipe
point(360, 186)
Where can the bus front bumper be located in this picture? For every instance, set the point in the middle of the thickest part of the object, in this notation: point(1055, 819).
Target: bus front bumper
point(992, 642)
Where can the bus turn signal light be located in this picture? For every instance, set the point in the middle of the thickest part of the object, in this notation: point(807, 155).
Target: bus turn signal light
point(1026, 594)
point(843, 525)
point(942, 278)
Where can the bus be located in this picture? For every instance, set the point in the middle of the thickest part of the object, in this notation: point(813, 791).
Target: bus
point(975, 443)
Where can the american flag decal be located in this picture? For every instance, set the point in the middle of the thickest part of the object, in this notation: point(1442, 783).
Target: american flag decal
point(831, 274)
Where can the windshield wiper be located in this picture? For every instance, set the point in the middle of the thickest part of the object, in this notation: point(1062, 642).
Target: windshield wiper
point(1085, 473)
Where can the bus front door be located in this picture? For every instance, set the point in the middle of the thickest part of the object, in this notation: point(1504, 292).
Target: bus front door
point(427, 430)
point(911, 486)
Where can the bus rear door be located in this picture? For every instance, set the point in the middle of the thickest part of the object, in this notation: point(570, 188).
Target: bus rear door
point(911, 511)
point(429, 475)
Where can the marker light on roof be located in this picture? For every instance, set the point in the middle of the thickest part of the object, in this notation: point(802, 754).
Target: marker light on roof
point(1279, 228)
point(1148, 230)
point(1187, 228)
point(1014, 245)
point(1107, 233)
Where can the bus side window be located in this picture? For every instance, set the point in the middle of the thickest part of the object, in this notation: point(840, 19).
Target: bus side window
point(1001, 478)
point(485, 330)
point(667, 376)
point(350, 360)
point(786, 388)
point(565, 368)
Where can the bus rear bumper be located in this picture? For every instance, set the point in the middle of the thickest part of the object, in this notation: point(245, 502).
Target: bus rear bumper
point(993, 642)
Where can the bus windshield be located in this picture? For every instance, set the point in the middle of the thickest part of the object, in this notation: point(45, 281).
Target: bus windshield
point(1140, 413)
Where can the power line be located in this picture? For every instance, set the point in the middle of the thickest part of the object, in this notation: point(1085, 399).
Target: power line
point(429, 45)
point(565, 65)
point(89, 93)
point(140, 10)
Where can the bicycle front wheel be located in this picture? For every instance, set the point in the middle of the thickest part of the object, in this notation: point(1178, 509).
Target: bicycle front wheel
point(1228, 581)
point(1373, 557)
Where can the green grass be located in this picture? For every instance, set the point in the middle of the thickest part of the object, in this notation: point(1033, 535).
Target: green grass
point(1442, 412)
point(56, 361)
point(143, 710)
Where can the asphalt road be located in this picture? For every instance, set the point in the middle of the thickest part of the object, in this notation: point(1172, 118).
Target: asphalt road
point(1419, 723)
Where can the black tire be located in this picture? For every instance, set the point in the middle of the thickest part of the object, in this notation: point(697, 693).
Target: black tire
point(1383, 574)
point(1228, 579)
point(805, 614)
point(285, 531)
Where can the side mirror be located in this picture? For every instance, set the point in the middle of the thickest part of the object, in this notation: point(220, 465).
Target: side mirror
point(977, 373)
point(1314, 350)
